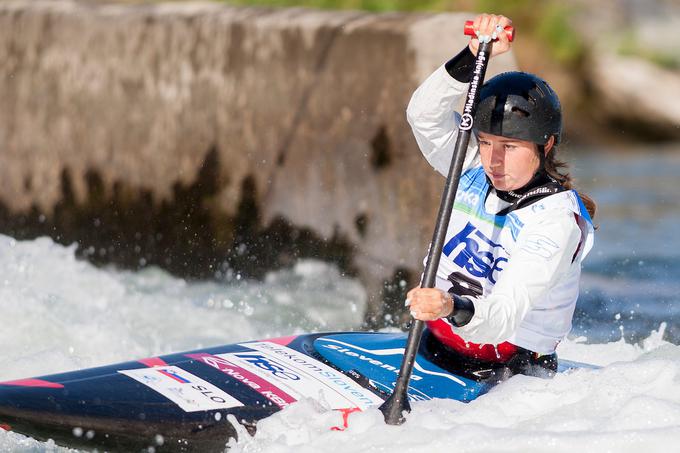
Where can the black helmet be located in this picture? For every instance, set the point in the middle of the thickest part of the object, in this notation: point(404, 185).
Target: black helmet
point(519, 105)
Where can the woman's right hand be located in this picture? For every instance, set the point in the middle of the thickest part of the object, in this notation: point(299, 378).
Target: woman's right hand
point(429, 304)
point(488, 25)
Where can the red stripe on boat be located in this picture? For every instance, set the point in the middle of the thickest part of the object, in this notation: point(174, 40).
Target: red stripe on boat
point(153, 361)
point(257, 383)
point(5, 427)
point(283, 341)
point(33, 383)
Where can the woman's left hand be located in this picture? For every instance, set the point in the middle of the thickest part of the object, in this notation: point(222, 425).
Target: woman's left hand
point(429, 304)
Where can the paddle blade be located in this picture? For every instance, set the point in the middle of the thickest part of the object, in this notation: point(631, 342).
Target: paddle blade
point(393, 409)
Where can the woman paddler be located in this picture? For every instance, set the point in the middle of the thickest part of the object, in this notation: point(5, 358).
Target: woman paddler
point(508, 278)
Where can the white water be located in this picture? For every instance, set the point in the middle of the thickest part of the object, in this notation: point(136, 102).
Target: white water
point(58, 313)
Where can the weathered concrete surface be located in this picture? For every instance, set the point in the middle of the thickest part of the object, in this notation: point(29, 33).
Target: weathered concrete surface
point(219, 121)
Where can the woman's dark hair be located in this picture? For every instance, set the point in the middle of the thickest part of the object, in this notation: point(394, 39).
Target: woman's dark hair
point(558, 169)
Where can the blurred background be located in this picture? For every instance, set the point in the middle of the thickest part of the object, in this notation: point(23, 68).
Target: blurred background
point(252, 159)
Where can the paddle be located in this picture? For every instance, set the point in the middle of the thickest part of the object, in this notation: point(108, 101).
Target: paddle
point(394, 407)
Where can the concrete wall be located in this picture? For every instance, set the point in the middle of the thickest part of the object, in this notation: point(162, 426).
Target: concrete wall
point(175, 133)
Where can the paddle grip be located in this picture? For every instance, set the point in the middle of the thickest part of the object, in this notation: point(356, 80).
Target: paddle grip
point(470, 31)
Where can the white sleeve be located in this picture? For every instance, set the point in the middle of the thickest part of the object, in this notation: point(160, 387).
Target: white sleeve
point(542, 257)
point(431, 114)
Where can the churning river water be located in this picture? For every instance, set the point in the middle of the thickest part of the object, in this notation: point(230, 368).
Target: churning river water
point(59, 313)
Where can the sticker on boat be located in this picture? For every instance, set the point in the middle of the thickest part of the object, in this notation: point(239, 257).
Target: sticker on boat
point(189, 392)
point(260, 385)
point(302, 376)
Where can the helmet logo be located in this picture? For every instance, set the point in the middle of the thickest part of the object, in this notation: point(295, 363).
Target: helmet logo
point(466, 122)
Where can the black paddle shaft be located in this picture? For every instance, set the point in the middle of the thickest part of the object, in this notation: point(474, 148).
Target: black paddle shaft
point(397, 403)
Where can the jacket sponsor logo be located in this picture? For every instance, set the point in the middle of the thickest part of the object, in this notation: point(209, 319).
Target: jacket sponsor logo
point(189, 392)
point(468, 198)
point(476, 253)
point(540, 245)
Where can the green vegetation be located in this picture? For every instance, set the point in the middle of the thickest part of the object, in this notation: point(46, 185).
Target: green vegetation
point(554, 28)
point(368, 5)
point(629, 47)
point(547, 20)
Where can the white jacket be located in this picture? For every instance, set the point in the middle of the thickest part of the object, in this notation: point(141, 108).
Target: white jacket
point(528, 263)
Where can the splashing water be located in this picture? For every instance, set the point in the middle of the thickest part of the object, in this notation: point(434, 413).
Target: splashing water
point(59, 313)
point(631, 405)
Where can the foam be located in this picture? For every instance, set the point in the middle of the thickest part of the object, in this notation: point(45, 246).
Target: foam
point(59, 313)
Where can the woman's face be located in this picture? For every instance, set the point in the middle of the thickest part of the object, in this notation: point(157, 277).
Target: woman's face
point(508, 162)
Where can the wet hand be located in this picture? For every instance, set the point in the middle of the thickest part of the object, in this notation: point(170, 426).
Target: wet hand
point(429, 304)
point(491, 27)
